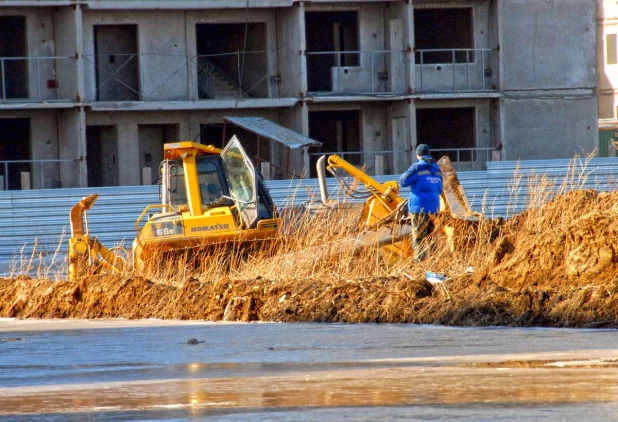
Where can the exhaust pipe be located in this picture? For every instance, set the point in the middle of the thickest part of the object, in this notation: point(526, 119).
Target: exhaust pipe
point(321, 170)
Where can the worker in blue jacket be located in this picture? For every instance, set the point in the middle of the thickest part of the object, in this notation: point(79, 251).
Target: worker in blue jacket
point(425, 180)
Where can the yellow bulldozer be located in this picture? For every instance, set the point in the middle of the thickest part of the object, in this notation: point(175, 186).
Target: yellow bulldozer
point(209, 196)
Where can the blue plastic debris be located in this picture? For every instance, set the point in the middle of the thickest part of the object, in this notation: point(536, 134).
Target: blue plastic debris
point(435, 278)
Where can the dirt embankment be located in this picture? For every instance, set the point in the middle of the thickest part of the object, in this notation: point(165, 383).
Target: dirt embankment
point(555, 266)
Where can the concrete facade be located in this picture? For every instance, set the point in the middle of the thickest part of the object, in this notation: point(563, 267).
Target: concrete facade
point(548, 88)
point(104, 83)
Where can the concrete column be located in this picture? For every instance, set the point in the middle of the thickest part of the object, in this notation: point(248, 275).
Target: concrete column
point(291, 46)
point(402, 128)
point(79, 50)
point(296, 119)
point(68, 43)
point(403, 11)
point(71, 122)
point(412, 121)
point(379, 165)
point(128, 154)
point(25, 180)
point(72, 145)
point(306, 163)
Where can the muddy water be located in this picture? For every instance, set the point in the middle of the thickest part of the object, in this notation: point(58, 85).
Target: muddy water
point(145, 370)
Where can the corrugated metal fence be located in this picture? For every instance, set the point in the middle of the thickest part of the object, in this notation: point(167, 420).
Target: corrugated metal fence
point(39, 219)
point(505, 188)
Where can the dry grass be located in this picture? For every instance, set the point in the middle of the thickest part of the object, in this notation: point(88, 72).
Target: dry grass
point(317, 247)
point(38, 263)
point(312, 245)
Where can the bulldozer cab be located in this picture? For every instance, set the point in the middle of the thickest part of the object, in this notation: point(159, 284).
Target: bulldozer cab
point(225, 178)
point(209, 197)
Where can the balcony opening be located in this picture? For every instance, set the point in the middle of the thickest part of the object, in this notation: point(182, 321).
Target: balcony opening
point(339, 131)
point(218, 134)
point(232, 60)
point(327, 34)
point(449, 28)
point(449, 129)
point(13, 53)
point(151, 139)
point(102, 155)
point(14, 145)
point(116, 61)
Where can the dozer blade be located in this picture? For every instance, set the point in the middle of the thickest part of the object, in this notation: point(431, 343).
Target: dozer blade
point(383, 236)
point(453, 198)
point(86, 254)
point(394, 244)
point(461, 229)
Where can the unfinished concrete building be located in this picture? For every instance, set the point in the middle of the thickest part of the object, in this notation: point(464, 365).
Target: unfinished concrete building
point(91, 89)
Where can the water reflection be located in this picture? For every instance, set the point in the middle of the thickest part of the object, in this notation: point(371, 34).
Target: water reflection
point(379, 387)
point(134, 375)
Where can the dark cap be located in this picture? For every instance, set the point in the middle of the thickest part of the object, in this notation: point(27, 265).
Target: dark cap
point(422, 150)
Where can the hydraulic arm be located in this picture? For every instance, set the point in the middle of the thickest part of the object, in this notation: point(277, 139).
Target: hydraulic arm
point(382, 221)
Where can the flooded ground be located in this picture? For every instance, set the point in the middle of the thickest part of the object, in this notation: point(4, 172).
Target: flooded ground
point(146, 370)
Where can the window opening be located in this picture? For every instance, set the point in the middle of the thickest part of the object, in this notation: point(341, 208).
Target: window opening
point(232, 60)
point(116, 61)
point(14, 80)
point(208, 175)
point(102, 155)
point(339, 131)
point(177, 187)
point(447, 128)
point(449, 28)
point(611, 54)
point(15, 145)
point(330, 32)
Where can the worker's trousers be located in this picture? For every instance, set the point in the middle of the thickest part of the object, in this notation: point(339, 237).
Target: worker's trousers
point(422, 227)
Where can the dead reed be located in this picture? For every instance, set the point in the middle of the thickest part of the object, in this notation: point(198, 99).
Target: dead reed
point(321, 246)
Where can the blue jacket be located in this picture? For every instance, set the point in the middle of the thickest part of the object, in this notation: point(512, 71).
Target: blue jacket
point(425, 180)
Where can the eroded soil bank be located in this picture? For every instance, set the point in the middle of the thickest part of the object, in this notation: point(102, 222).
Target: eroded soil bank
point(554, 266)
point(472, 302)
